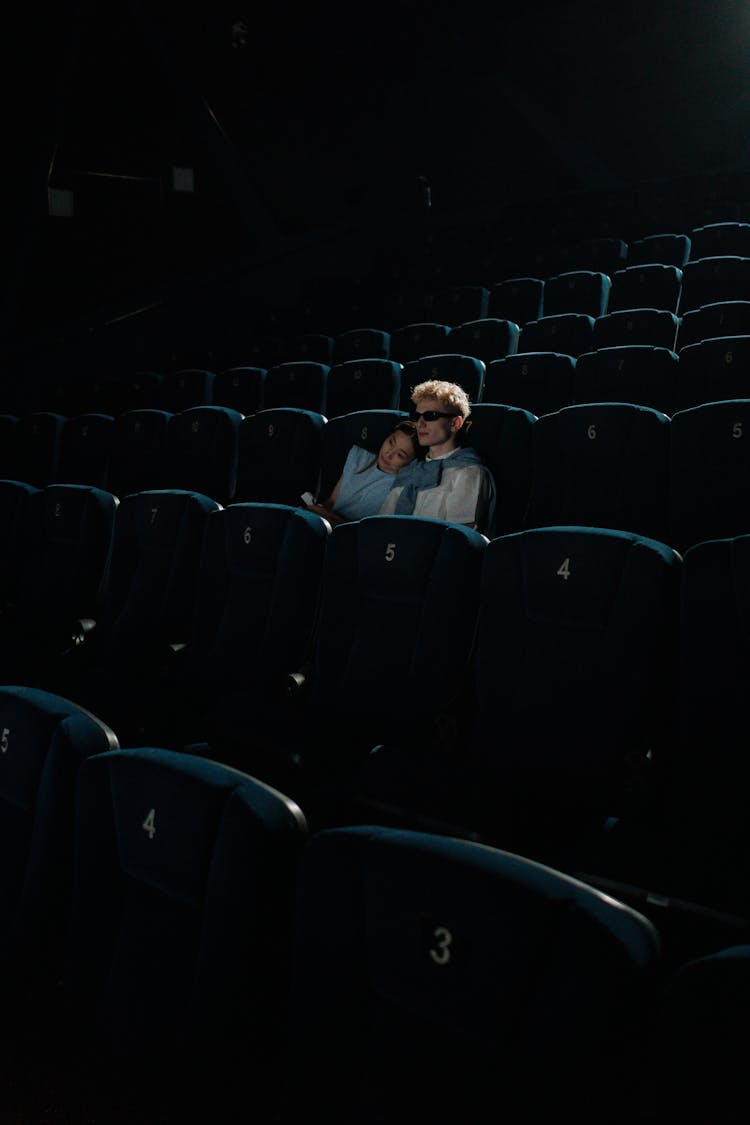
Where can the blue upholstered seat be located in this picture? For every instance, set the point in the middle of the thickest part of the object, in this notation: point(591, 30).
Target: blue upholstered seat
point(637, 373)
point(601, 464)
point(444, 977)
point(536, 381)
point(278, 455)
point(202, 451)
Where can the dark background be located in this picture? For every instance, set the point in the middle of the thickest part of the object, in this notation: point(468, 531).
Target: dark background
point(305, 126)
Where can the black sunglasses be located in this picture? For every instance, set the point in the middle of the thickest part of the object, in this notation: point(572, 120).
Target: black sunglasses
point(430, 415)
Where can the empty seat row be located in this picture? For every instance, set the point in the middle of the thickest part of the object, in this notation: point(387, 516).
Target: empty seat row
point(176, 936)
point(629, 356)
point(580, 689)
point(646, 374)
point(547, 280)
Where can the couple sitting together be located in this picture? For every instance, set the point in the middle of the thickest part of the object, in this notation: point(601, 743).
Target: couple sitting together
point(421, 468)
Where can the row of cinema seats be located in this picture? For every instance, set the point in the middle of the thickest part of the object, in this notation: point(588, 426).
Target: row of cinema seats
point(608, 464)
point(292, 651)
point(667, 271)
point(643, 368)
point(179, 945)
point(179, 937)
point(606, 273)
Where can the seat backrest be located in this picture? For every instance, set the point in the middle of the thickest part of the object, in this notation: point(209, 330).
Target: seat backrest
point(85, 448)
point(601, 465)
point(257, 598)
point(638, 373)
point(536, 381)
point(710, 773)
point(577, 291)
point(518, 299)
point(713, 369)
point(501, 435)
point(278, 455)
point(363, 384)
point(524, 970)
point(657, 327)
point(601, 254)
point(709, 496)
point(301, 384)
point(202, 451)
point(39, 435)
point(412, 341)
point(392, 586)
point(714, 278)
point(43, 740)
point(184, 872)
point(455, 304)
point(713, 239)
point(698, 1040)
point(486, 339)
point(466, 370)
point(16, 514)
point(653, 286)
point(151, 587)
point(63, 575)
point(568, 333)
point(576, 625)
point(186, 388)
point(361, 343)
point(309, 347)
point(722, 318)
point(663, 249)
point(139, 443)
point(240, 388)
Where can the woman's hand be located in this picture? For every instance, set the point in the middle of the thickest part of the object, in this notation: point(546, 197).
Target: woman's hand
point(327, 513)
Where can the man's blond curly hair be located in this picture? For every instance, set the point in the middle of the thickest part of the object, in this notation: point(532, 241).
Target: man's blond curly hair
point(450, 396)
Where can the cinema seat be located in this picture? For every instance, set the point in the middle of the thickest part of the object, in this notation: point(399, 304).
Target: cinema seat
point(566, 333)
point(709, 472)
point(637, 373)
point(412, 341)
point(202, 451)
point(466, 370)
point(366, 384)
point(43, 740)
point(601, 465)
point(443, 975)
point(536, 381)
point(486, 339)
point(240, 388)
point(653, 286)
point(577, 291)
point(85, 447)
point(301, 384)
point(657, 327)
point(139, 444)
point(518, 299)
point(60, 579)
point(177, 960)
point(278, 455)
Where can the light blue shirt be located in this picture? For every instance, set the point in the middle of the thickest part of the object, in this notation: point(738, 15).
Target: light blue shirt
point(363, 486)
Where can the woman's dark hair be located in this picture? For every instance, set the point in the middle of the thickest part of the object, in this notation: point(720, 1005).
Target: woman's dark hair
point(405, 426)
point(410, 429)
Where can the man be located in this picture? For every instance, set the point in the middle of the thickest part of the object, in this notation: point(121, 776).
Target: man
point(451, 483)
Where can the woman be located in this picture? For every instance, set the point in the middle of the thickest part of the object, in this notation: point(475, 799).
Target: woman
point(367, 478)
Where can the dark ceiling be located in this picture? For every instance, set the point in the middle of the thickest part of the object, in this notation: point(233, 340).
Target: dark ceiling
point(329, 110)
point(298, 119)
